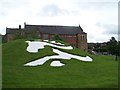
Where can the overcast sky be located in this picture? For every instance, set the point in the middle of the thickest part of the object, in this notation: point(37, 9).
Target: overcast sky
point(98, 18)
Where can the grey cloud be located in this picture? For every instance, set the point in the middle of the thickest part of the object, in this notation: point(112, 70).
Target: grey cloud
point(109, 28)
point(53, 10)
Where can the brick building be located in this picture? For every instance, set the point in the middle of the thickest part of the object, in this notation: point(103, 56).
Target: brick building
point(73, 35)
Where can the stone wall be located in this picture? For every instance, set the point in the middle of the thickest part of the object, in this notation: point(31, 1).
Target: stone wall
point(9, 37)
point(79, 40)
point(82, 41)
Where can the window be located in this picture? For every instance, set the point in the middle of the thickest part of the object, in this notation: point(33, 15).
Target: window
point(45, 36)
point(83, 38)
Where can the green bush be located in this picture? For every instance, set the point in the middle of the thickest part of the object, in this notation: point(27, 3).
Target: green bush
point(56, 37)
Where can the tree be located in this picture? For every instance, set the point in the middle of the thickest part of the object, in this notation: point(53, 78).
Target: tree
point(17, 35)
point(33, 34)
point(56, 37)
point(113, 47)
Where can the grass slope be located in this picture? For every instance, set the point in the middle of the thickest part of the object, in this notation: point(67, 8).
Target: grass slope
point(102, 72)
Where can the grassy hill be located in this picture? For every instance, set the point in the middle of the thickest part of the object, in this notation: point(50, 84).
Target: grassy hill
point(102, 72)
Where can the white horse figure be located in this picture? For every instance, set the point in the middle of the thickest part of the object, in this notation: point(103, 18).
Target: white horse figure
point(34, 46)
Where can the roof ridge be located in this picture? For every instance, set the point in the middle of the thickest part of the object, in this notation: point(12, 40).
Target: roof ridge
point(51, 25)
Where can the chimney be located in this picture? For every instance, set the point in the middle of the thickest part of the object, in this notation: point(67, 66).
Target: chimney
point(24, 24)
point(19, 26)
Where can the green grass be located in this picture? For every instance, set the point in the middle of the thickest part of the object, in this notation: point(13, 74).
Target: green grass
point(101, 73)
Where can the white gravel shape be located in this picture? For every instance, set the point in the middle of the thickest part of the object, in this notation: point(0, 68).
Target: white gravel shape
point(54, 42)
point(34, 46)
point(56, 64)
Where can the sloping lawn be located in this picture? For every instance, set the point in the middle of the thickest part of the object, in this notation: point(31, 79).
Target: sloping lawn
point(101, 73)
